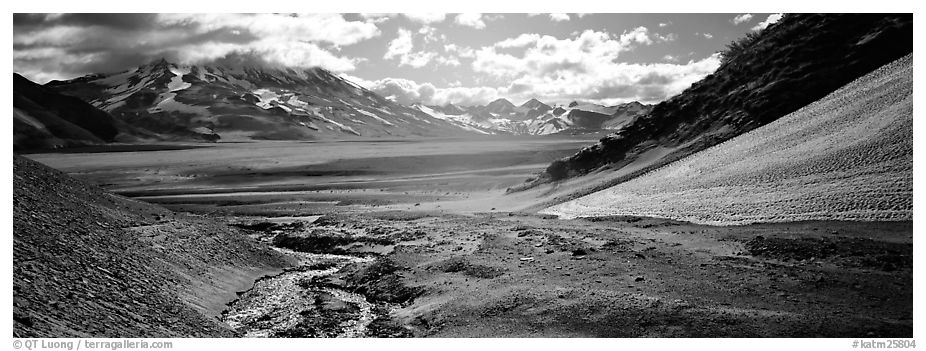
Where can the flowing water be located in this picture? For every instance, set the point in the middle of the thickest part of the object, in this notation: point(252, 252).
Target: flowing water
point(276, 303)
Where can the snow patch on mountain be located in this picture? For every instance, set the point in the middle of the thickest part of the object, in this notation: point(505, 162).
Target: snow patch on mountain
point(374, 116)
point(176, 83)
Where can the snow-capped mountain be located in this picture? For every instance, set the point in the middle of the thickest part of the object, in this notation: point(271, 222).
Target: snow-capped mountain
point(250, 102)
point(536, 118)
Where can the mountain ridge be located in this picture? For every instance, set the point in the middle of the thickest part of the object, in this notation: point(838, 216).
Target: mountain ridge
point(249, 102)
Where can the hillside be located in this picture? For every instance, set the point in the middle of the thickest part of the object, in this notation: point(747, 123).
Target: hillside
point(762, 77)
point(91, 264)
point(246, 102)
point(42, 118)
point(848, 156)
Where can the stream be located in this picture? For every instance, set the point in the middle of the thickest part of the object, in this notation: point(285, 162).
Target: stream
point(279, 306)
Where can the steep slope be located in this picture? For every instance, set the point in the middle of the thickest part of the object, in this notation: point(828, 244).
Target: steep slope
point(848, 156)
point(762, 77)
point(91, 264)
point(249, 102)
point(42, 118)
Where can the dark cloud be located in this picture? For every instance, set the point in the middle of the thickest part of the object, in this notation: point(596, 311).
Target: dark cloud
point(116, 42)
point(123, 21)
point(28, 19)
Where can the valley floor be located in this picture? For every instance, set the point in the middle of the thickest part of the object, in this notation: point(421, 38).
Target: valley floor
point(419, 239)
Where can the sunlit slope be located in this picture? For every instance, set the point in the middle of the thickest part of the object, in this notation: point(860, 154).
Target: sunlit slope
point(848, 156)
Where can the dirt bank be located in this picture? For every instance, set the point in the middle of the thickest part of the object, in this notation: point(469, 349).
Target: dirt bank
point(88, 263)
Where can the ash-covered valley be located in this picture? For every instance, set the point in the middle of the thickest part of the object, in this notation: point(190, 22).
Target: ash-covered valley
point(770, 198)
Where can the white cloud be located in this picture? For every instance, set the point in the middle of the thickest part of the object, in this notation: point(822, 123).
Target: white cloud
point(666, 38)
point(705, 35)
point(408, 92)
point(638, 35)
point(377, 17)
point(426, 18)
point(664, 24)
point(548, 56)
point(470, 20)
point(461, 51)
point(519, 41)
point(775, 17)
point(615, 83)
point(670, 58)
point(559, 17)
point(585, 67)
point(331, 28)
point(746, 17)
point(402, 47)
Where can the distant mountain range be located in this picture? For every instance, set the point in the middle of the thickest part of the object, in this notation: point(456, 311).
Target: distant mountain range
point(168, 101)
point(203, 102)
point(537, 118)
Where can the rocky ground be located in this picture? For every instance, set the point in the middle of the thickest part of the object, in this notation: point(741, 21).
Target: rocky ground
point(518, 275)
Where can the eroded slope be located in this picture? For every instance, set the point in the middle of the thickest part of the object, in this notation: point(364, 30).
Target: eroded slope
point(848, 156)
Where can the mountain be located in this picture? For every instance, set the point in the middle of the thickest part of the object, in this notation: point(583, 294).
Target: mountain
point(248, 102)
point(82, 253)
point(536, 118)
point(43, 118)
point(848, 156)
point(500, 106)
point(534, 104)
point(762, 77)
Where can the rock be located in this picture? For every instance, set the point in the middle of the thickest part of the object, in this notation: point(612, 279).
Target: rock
point(639, 279)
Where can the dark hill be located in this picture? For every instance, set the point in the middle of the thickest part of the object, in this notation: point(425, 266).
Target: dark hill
point(43, 118)
point(762, 77)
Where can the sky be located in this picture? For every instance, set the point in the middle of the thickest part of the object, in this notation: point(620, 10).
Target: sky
point(428, 58)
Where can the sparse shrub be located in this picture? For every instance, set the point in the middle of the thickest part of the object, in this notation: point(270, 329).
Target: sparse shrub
point(738, 46)
point(558, 170)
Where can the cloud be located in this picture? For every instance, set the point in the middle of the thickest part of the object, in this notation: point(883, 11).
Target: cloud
point(378, 17)
point(407, 92)
point(666, 38)
point(617, 83)
point(586, 67)
point(426, 18)
point(549, 56)
point(664, 24)
point(638, 35)
point(775, 17)
point(746, 17)
point(705, 35)
point(559, 17)
point(402, 47)
point(68, 45)
point(460, 51)
point(470, 20)
point(332, 28)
